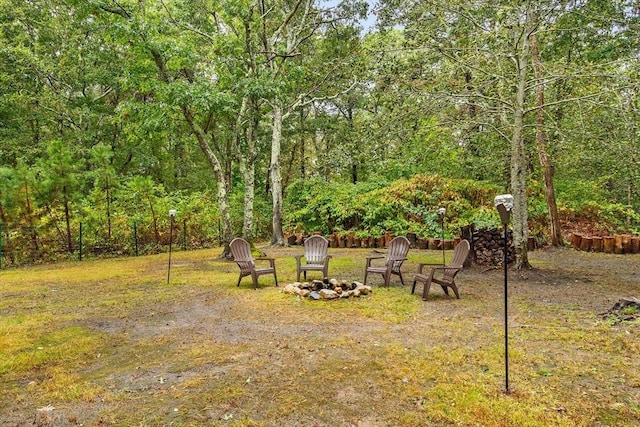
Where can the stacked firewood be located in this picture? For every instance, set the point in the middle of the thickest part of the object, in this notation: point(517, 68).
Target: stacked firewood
point(488, 247)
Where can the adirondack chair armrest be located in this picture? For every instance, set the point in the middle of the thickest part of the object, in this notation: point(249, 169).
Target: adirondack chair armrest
point(272, 261)
point(393, 260)
point(371, 258)
point(425, 264)
point(455, 268)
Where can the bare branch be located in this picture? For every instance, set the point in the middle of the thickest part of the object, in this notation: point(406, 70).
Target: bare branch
point(105, 93)
point(185, 26)
point(119, 10)
point(568, 100)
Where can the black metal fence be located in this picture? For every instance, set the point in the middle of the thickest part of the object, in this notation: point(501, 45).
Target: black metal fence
point(25, 245)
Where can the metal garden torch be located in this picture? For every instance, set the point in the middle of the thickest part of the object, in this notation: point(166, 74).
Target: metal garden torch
point(441, 213)
point(504, 204)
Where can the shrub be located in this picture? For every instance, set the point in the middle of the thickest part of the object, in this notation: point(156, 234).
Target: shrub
point(403, 206)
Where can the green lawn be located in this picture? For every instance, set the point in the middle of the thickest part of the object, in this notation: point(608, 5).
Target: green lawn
point(109, 342)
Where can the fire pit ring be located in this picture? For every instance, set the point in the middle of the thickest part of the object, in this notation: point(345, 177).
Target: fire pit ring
point(327, 289)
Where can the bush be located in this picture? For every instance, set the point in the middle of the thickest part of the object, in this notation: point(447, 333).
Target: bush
point(406, 205)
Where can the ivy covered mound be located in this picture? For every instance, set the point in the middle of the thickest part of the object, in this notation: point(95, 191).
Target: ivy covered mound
point(401, 207)
point(411, 206)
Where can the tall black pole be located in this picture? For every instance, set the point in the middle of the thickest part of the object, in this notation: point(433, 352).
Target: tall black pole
point(504, 204)
point(442, 212)
point(170, 246)
point(442, 226)
point(506, 317)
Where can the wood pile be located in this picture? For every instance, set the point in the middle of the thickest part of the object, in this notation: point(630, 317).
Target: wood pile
point(616, 244)
point(488, 247)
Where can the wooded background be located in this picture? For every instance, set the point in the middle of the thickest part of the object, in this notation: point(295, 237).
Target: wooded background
point(257, 118)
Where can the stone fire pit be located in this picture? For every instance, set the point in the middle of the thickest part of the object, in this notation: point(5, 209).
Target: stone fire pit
point(327, 289)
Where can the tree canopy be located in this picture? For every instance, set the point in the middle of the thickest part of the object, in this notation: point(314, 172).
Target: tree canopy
point(111, 112)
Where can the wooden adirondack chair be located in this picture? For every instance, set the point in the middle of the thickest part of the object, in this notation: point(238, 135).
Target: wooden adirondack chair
point(396, 255)
point(449, 272)
point(315, 255)
point(241, 251)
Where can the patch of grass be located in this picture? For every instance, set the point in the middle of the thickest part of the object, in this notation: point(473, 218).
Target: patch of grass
point(68, 346)
point(391, 305)
point(208, 353)
point(109, 341)
point(64, 386)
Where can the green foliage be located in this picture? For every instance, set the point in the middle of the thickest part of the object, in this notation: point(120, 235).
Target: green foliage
point(262, 219)
point(36, 232)
point(572, 193)
point(588, 199)
point(318, 205)
point(99, 102)
point(614, 216)
point(403, 206)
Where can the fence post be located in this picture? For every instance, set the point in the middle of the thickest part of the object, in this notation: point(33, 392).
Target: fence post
point(135, 238)
point(184, 234)
point(172, 214)
point(80, 245)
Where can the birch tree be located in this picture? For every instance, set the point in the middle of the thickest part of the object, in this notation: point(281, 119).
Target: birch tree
point(287, 32)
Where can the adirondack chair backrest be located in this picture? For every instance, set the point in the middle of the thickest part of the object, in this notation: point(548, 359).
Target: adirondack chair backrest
point(460, 255)
point(315, 249)
point(397, 252)
point(241, 251)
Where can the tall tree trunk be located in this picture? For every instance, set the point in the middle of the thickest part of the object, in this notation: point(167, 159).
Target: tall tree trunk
point(248, 170)
point(221, 185)
point(629, 201)
point(303, 154)
point(633, 155)
point(276, 176)
point(518, 157)
point(3, 216)
point(541, 144)
point(354, 163)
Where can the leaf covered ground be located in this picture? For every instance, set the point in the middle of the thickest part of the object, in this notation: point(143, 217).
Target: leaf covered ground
point(109, 342)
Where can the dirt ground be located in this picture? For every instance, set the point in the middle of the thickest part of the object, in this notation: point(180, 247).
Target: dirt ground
point(204, 356)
